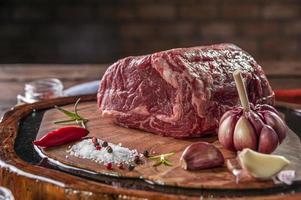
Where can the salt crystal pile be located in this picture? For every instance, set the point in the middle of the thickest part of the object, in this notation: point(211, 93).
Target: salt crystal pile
point(86, 149)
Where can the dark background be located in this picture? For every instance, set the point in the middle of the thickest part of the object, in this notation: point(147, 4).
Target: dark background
point(100, 31)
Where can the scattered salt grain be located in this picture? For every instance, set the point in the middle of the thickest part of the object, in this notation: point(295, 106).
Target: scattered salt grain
point(86, 149)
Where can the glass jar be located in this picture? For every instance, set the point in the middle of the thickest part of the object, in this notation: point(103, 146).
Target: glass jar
point(41, 89)
point(5, 194)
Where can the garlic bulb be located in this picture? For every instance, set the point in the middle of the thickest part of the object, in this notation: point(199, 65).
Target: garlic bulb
point(256, 127)
point(260, 130)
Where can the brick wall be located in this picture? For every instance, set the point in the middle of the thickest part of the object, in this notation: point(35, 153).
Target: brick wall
point(94, 31)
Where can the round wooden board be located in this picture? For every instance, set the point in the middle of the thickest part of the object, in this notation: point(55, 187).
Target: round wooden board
point(102, 128)
point(29, 181)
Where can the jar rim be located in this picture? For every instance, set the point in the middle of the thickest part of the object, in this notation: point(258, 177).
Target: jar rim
point(6, 193)
point(44, 84)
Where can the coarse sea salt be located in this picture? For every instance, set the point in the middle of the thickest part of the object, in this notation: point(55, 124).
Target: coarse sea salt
point(86, 149)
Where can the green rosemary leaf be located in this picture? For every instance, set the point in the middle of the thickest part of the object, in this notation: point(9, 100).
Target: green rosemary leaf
point(167, 162)
point(154, 157)
point(64, 121)
point(161, 155)
point(75, 106)
point(162, 159)
point(68, 123)
point(168, 154)
point(157, 164)
point(72, 115)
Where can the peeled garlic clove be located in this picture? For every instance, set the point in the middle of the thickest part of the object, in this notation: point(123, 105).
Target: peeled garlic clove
point(244, 135)
point(256, 121)
point(201, 155)
point(260, 165)
point(276, 123)
point(225, 132)
point(268, 140)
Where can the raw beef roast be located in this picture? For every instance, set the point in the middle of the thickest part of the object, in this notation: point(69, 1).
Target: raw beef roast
point(179, 92)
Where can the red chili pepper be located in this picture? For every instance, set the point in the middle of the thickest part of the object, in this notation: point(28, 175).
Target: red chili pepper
point(61, 136)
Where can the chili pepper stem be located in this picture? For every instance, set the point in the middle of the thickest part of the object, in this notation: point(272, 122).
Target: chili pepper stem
point(241, 89)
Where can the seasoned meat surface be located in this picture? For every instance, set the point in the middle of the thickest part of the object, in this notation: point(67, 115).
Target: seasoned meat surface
point(179, 92)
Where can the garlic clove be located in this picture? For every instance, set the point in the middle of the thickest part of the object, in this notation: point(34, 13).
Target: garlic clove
point(225, 132)
point(201, 155)
point(226, 115)
point(259, 165)
point(244, 135)
point(276, 123)
point(263, 107)
point(237, 111)
point(268, 140)
point(256, 121)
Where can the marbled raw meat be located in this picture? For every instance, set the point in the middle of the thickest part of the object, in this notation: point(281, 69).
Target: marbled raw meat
point(179, 92)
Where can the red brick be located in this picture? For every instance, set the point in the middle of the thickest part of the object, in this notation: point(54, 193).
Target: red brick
point(293, 28)
point(26, 13)
point(281, 10)
point(156, 44)
point(247, 44)
point(279, 48)
point(218, 30)
point(259, 28)
point(13, 30)
point(199, 11)
point(240, 10)
point(131, 48)
point(146, 46)
point(190, 42)
point(116, 12)
point(177, 29)
point(200, 2)
point(137, 30)
point(74, 12)
point(156, 11)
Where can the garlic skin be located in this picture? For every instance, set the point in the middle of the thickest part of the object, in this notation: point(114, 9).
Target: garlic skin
point(260, 129)
point(201, 155)
point(226, 138)
point(260, 165)
point(255, 120)
point(263, 107)
point(268, 140)
point(244, 135)
point(276, 123)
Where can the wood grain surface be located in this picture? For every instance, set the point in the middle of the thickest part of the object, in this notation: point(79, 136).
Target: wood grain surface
point(135, 139)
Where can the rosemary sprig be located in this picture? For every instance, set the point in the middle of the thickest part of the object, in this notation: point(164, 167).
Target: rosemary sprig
point(162, 159)
point(75, 118)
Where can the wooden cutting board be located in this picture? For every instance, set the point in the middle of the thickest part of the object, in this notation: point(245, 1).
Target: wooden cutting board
point(215, 178)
